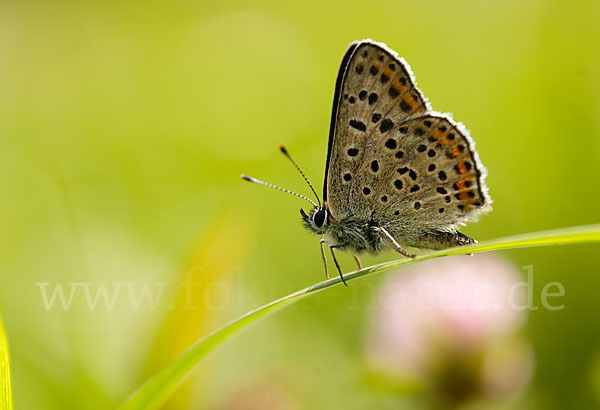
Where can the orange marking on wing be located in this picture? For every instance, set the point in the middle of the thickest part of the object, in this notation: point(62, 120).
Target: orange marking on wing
point(462, 169)
point(398, 86)
point(455, 152)
point(437, 134)
point(388, 72)
point(377, 65)
point(461, 184)
point(408, 98)
point(463, 196)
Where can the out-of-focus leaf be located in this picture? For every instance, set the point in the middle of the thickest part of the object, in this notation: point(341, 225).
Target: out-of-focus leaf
point(5, 383)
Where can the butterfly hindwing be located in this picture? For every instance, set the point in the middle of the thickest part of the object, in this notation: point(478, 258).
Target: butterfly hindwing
point(428, 178)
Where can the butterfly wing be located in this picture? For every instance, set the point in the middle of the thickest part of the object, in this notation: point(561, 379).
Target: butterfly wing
point(393, 161)
point(432, 180)
point(374, 91)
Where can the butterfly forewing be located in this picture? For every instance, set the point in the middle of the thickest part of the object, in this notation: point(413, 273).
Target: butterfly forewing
point(391, 160)
point(377, 92)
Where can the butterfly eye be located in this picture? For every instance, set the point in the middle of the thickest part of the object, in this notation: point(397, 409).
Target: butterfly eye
point(319, 217)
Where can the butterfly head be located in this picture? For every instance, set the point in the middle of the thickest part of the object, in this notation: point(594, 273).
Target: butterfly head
point(317, 220)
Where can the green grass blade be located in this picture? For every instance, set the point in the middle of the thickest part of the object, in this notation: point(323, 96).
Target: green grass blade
point(5, 383)
point(157, 389)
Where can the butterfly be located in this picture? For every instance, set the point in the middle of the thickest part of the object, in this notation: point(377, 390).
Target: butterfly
point(397, 173)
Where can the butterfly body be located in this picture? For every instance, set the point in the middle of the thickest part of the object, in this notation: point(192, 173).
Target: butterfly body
point(351, 234)
point(358, 236)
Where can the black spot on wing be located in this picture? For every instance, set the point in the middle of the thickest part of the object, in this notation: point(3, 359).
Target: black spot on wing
point(386, 125)
point(405, 107)
point(359, 125)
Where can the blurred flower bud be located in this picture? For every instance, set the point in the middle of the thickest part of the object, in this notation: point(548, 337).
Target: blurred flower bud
point(449, 326)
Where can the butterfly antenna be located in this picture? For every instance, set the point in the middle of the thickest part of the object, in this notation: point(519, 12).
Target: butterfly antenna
point(258, 181)
point(287, 154)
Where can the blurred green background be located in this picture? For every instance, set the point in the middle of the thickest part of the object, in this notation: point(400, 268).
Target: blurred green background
point(124, 127)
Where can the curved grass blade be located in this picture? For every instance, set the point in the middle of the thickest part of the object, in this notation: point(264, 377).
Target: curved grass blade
point(5, 383)
point(157, 389)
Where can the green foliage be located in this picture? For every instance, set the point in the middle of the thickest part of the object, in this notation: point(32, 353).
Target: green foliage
point(5, 380)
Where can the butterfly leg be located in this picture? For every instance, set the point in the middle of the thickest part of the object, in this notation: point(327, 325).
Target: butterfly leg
point(396, 244)
point(321, 242)
point(337, 265)
point(358, 262)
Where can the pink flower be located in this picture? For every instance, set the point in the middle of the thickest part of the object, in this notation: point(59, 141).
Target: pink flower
point(442, 324)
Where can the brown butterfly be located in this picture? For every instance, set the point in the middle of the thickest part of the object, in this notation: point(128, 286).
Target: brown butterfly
point(397, 174)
